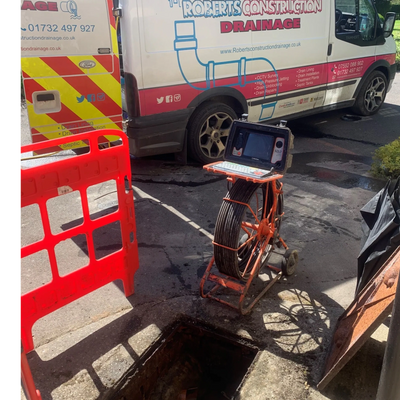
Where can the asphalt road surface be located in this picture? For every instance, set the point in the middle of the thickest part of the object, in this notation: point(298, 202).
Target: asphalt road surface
point(176, 208)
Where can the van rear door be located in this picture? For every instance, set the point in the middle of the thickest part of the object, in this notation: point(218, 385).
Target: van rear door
point(70, 68)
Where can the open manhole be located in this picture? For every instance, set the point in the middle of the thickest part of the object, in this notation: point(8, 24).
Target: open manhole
point(190, 361)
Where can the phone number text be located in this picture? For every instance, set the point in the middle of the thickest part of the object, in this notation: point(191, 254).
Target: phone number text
point(60, 28)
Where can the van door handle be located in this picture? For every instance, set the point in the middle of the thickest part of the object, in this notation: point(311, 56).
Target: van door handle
point(329, 49)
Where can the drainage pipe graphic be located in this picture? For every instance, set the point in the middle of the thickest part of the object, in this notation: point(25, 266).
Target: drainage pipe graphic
point(185, 45)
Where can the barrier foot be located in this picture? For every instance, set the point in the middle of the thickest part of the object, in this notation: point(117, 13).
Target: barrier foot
point(28, 384)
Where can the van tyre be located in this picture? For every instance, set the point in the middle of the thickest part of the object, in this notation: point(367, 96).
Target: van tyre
point(372, 94)
point(208, 132)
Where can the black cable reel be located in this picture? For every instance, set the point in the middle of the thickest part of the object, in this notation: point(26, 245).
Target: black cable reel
point(247, 202)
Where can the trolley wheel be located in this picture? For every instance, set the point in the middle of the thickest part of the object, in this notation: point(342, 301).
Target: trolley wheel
point(289, 262)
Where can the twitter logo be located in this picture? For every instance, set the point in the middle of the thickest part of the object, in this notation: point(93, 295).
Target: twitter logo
point(80, 99)
point(160, 100)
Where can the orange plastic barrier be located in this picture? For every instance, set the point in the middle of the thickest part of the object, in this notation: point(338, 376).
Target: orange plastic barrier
point(43, 182)
point(30, 390)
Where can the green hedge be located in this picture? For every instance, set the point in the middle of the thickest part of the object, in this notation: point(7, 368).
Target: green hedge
point(383, 6)
point(386, 162)
point(396, 8)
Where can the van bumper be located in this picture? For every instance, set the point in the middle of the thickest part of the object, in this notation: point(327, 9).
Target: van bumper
point(158, 133)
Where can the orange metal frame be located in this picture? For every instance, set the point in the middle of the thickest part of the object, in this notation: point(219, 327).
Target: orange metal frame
point(362, 317)
point(264, 233)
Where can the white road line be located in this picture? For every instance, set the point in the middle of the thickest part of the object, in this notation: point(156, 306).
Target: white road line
point(144, 195)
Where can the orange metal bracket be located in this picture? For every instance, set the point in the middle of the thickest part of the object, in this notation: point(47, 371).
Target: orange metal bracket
point(364, 315)
point(228, 282)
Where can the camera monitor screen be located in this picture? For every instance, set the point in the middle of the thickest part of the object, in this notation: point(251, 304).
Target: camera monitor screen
point(258, 145)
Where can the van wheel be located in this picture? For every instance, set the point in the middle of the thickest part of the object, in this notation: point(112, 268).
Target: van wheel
point(372, 94)
point(208, 132)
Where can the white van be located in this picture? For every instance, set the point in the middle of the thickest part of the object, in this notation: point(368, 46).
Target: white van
point(192, 66)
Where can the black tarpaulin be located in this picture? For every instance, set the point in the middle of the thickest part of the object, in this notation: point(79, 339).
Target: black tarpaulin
point(380, 231)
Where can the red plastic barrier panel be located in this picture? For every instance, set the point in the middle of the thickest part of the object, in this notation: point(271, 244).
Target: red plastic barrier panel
point(41, 184)
point(31, 393)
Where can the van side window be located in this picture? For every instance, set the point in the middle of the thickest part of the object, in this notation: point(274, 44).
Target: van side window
point(356, 22)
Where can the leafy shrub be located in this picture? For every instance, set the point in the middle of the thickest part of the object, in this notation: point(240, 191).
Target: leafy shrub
point(396, 8)
point(386, 163)
point(383, 6)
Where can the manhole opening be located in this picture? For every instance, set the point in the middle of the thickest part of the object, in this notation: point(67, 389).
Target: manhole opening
point(190, 361)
